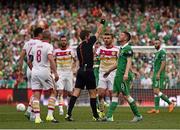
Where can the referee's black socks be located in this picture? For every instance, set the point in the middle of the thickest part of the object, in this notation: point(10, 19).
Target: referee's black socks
point(71, 105)
point(94, 107)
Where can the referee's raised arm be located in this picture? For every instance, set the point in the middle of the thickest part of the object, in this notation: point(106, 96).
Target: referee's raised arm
point(85, 75)
point(99, 30)
point(100, 25)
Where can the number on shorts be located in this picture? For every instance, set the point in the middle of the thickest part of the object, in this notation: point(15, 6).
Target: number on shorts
point(38, 58)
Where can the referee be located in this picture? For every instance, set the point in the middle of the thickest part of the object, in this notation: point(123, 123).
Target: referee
point(85, 74)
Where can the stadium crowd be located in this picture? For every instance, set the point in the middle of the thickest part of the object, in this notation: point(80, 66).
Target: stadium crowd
point(144, 25)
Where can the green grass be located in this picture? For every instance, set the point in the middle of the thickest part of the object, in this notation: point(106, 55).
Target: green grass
point(10, 118)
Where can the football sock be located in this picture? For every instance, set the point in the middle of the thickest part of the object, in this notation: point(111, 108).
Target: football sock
point(111, 109)
point(94, 107)
point(156, 102)
point(164, 97)
point(36, 108)
point(51, 105)
point(61, 103)
point(71, 105)
point(134, 109)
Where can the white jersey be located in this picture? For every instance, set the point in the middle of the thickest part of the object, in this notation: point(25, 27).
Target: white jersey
point(41, 74)
point(28, 46)
point(64, 59)
point(108, 57)
point(40, 54)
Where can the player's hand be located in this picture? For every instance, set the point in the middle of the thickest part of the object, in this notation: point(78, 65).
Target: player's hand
point(158, 76)
point(106, 74)
point(125, 77)
point(56, 77)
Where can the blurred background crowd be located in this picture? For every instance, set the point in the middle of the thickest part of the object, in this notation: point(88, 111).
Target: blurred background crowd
point(144, 19)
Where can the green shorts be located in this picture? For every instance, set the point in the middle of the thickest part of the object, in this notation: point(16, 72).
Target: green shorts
point(158, 83)
point(122, 86)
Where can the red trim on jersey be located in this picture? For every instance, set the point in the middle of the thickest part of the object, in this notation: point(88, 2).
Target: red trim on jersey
point(49, 108)
point(36, 111)
point(63, 53)
point(108, 52)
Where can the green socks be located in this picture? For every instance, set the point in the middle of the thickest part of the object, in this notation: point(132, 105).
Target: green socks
point(164, 97)
point(156, 102)
point(134, 109)
point(111, 109)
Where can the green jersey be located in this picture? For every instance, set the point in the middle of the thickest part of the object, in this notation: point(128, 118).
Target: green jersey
point(125, 52)
point(159, 57)
point(119, 84)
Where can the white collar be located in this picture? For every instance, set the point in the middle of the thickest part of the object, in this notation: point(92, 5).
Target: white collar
point(125, 45)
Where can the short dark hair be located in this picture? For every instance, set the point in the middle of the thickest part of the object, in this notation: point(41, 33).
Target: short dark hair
point(62, 36)
point(157, 39)
point(37, 31)
point(98, 42)
point(84, 34)
point(109, 34)
point(128, 36)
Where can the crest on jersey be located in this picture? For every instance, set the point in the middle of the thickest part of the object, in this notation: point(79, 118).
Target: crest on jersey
point(67, 53)
point(122, 86)
point(113, 53)
point(121, 53)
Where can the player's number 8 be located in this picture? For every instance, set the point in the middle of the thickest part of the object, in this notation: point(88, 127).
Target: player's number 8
point(38, 58)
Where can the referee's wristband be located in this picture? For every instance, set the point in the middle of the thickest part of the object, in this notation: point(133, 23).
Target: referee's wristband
point(102, 21)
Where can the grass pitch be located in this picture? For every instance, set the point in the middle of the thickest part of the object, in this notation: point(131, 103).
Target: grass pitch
point(10, 118)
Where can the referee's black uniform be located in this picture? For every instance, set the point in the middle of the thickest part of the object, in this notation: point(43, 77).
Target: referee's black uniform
point(85, 74)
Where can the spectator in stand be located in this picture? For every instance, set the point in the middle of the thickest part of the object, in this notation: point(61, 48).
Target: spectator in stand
point(69, 18)
point(146, 82)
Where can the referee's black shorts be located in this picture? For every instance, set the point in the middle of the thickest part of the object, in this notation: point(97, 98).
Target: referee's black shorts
point(85, 78)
